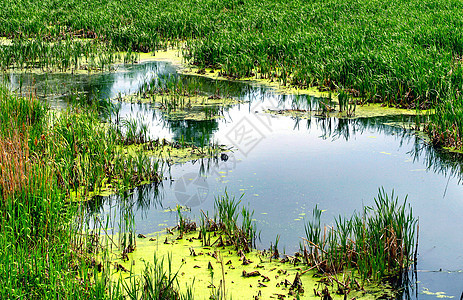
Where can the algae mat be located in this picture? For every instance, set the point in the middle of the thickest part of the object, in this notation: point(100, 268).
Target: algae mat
point(255, 276)
point(364, 111)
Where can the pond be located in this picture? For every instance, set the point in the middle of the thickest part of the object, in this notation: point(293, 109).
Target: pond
point(285, 166)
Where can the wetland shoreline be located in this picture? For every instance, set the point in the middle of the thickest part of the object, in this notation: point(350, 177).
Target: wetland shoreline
point(47, 241)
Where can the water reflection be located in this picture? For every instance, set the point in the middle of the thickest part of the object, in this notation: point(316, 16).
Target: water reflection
point(447, 163)
point(334, 162)
point(142, 199)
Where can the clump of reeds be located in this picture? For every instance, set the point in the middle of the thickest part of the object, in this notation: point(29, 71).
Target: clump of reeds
point(226, 222)
point(445, 125)
point(155, 283)
point(377, 243)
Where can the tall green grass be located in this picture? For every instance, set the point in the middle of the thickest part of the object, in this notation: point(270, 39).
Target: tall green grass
point(37, 256)
point(228, 214)
point(46, 250)
point(445, 126)
point(155, 283)
point(401, 53)
point(378, 243)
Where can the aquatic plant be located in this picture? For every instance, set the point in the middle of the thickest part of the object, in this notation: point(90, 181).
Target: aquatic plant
point(155, 283)
point(226, 222)
point(378, 243)
point(46, 248)
point(445, 123)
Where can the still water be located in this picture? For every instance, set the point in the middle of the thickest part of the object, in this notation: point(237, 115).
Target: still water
point(285, 166)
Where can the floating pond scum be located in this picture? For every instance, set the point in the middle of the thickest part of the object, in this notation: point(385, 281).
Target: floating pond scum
point(366, 256)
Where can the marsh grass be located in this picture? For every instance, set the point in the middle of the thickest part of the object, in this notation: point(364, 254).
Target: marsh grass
point(226, 222)
point(378, 243)
point(413, 62)
point(47, 251)
point(36, 255)
point(14, 168)
point(61, 55)
point(174, 93)
point(445, 125)
point(389, 68)
point(156, 282)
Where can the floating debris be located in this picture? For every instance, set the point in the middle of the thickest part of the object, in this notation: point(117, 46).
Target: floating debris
point(297, 284)
point(251, 274)
point(120, 267)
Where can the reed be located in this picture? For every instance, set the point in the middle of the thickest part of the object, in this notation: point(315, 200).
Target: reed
point(226, 222)
point(155, 283)
point(378, 243)
point(46, 249)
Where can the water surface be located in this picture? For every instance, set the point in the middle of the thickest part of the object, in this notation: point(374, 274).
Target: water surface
point(285, 166)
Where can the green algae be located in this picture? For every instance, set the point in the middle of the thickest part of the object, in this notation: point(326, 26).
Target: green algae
point(208, 267)
point(180, 107)
point(164, 151)
point(171, 55)
point(174, 153)
point(362, 111)
point(440, 295)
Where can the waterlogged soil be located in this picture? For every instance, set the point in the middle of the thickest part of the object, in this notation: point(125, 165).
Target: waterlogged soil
point(246, 275)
